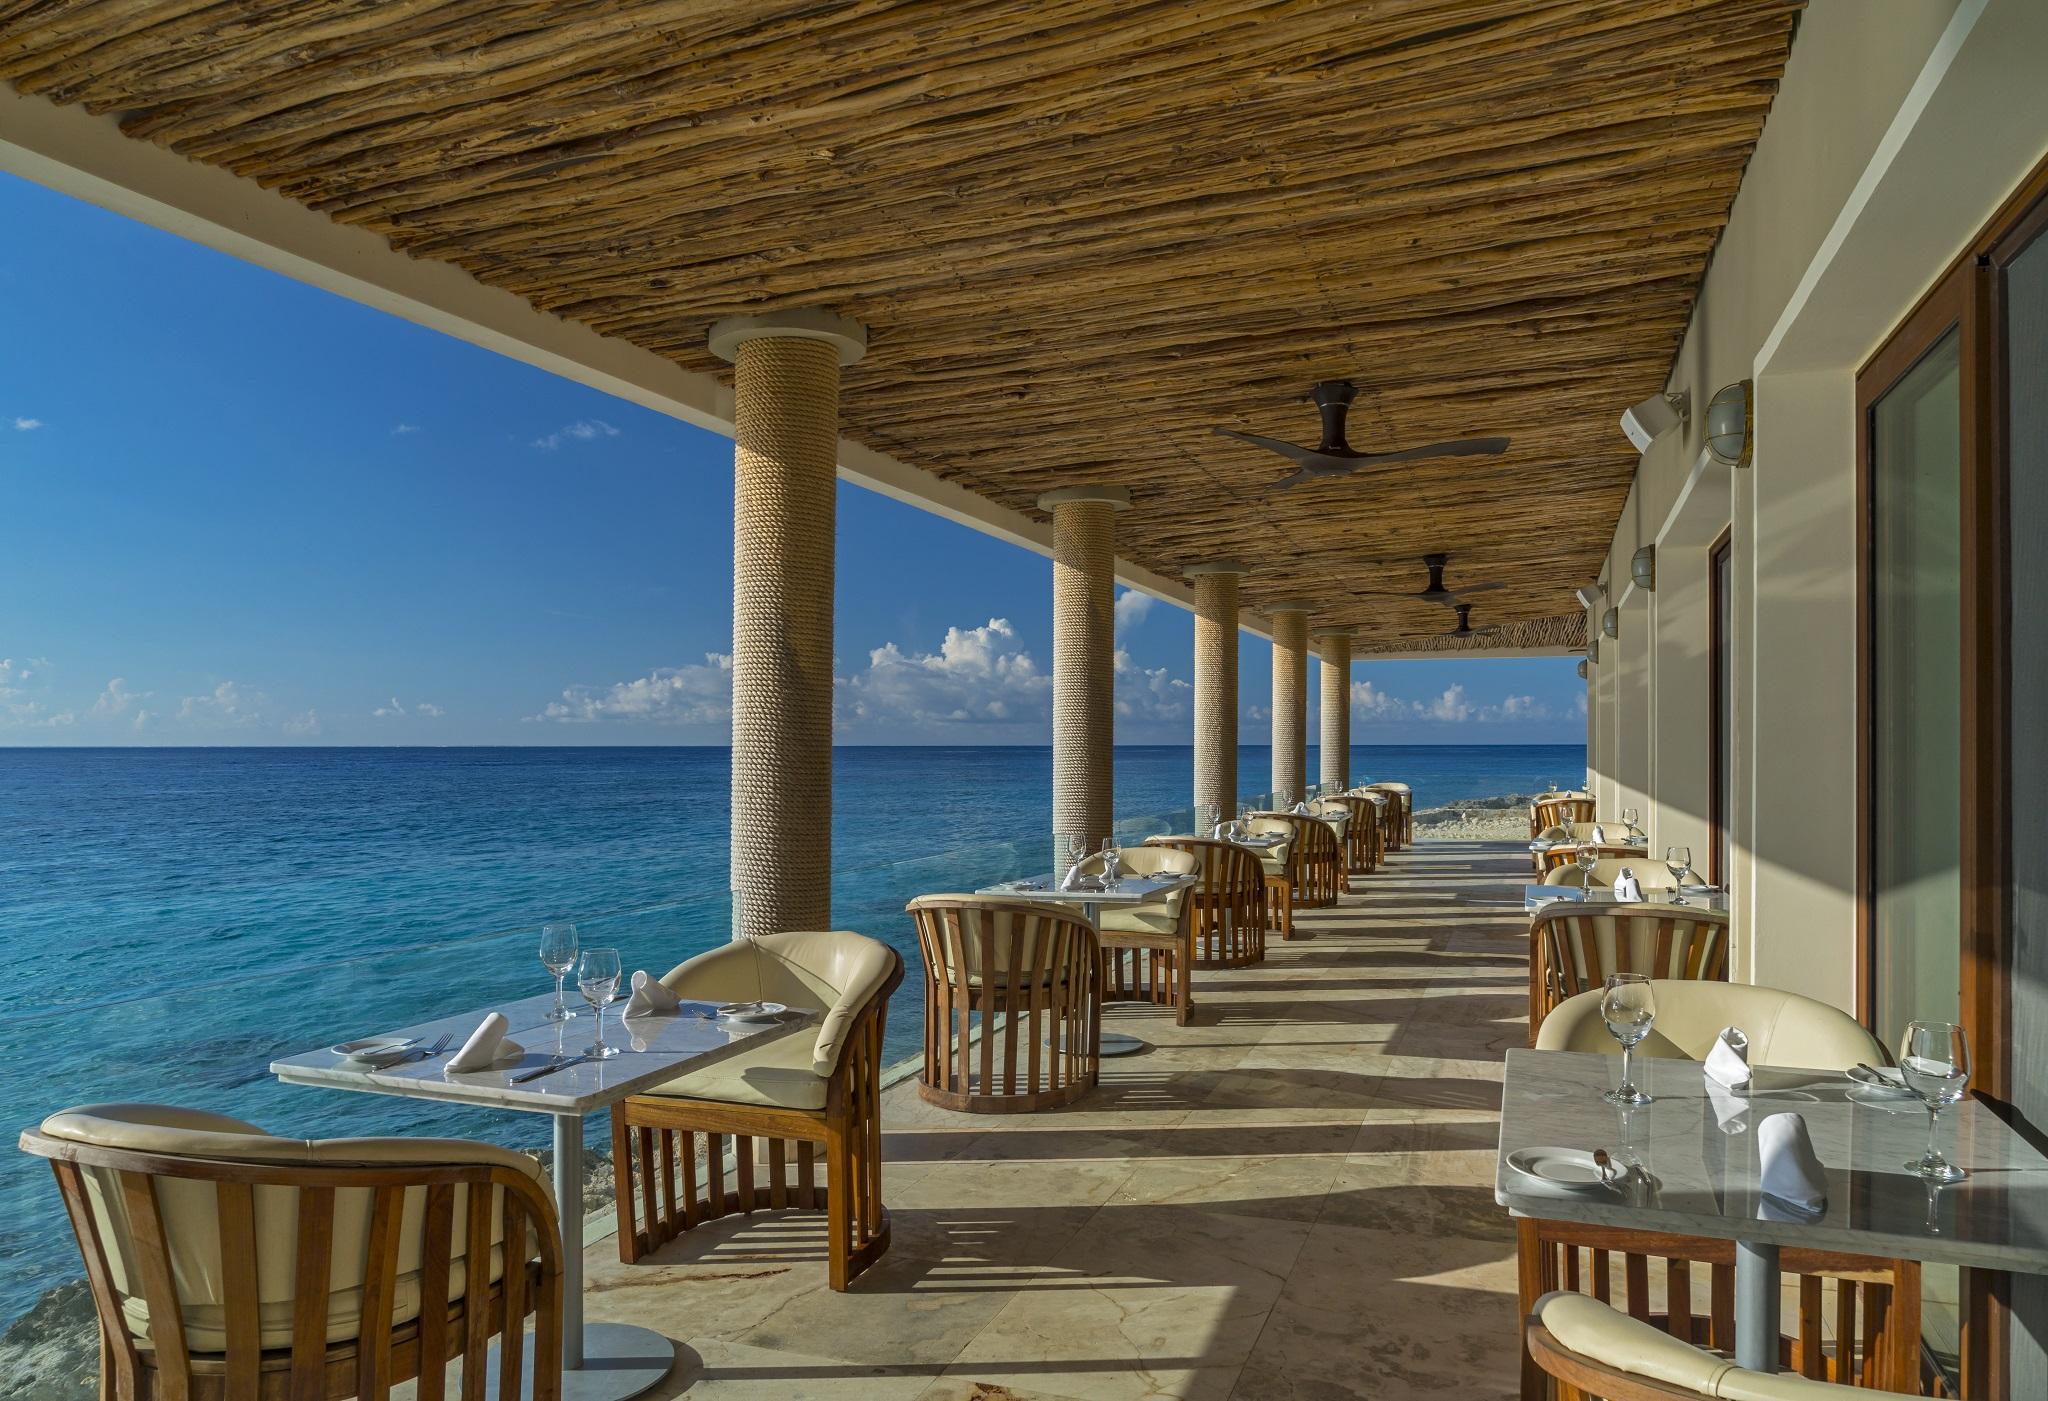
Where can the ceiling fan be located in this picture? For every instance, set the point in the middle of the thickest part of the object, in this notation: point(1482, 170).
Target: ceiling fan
point(1434, 591)
point(1465, 628)
point(1335, 457)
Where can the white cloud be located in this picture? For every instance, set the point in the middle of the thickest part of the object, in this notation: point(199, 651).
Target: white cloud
point(1454, 706)
point(399, 430)
point(687, 695)
point(27, 425)
point(398, 710)
point(1131, 608)
point(978, 676)
point(305, 723)
point(584, 430)
point(1451, 706)
point(119, 698)
point(18, 708)
point(429, 710)
point(144, 719)
point(226, 704)
point(1150, 695)
point(1368, 702)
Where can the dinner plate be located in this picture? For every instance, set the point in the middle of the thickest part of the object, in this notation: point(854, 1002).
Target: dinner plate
point(752, 1011)
point(376, 1050)
point(1571, 1169)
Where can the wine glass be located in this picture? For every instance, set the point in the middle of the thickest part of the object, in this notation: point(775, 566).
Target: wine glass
point(1934, 1061)
point(1628, 819)
point(597, 976)
point(1587, 858)
point(1110, 860)
point(1629, 1008)
point(1077, 848)
point(1678, 861)
point(558, 956)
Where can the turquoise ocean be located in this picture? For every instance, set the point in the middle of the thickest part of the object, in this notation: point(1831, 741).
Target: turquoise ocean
point(176, 918)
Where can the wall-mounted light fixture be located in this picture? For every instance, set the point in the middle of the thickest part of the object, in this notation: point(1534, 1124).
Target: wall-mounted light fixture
point(1642, 567)
point(1582, 668)
point(1610, 622)
point(1590, 596)
point(1654, 417)
point(1731, 424)
point(1593, 651)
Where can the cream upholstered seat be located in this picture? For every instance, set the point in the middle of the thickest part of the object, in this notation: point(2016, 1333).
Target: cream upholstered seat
point(834, 973)
point(1276, 865)
point(799, 1093)
point(1603, 1352)
point(1784, 1028)
point(169, 1193)
point(1163, 915)
point(1148, 949)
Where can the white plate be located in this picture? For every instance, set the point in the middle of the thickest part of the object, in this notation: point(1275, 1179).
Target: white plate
point(1572, 1169)
point(751, 1011)
point(1888, 1080)
point(376, 1050)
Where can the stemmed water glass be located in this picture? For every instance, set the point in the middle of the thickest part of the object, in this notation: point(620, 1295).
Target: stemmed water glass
point(1077, 848)
point(1678, 861)
point(597, 977)
point(1629, 1008)
point(558, 956)
point(1587, 858)
point(1628, 820)
point(1110, 861)
point(1934, 1061)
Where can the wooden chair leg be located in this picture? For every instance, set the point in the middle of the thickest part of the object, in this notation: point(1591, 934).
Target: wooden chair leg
point(1530, 1285)
point(622, 1188)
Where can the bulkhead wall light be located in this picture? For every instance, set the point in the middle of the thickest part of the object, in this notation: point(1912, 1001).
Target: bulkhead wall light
point(1610, 622)
point(1642, 567)
point(1731, 424)
point(1582, 668)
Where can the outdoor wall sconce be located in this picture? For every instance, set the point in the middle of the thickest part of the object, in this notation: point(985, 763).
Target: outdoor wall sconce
point(1731, 424)
point(1610, 622)
point(1582, 667)
point(1642, 567)
point(1593, 652)
point(1591, 594)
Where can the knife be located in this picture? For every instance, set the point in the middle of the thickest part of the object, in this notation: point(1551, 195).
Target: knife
point(558, 1063)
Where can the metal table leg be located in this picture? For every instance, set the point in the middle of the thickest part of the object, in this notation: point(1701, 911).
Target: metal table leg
point(1113, 1043)
point(1756, 1306)
point(600, 1361)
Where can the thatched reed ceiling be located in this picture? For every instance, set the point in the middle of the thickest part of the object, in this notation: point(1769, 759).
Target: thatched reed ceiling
point(1082, 234)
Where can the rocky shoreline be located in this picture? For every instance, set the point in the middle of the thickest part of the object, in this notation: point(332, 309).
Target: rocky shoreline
point(1476, 819)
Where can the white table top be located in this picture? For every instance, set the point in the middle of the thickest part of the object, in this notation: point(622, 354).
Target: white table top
point(652, 1050)
point(1130, 890)
point(1535, 897)
point(1706, 1175)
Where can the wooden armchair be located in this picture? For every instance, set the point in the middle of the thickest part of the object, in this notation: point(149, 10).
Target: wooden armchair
point(1592, 1350)
point(1876, 1300)
point(1574, 947)
point(1563, 810)
point(800, 1093)
point(1316, 870)
point(1028, 978)
point(1362, 837)
point(1567, 854)
point(1229, 903)
point(1397, 823)
point(228, 1265)
point(1148, 950)
point(1276, 867)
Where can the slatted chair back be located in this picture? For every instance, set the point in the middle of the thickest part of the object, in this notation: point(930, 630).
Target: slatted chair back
point(1317, 865)
point(294, 1272)
point(1857, 1323)
point(1028, 978)
point(1650, 875)
point(1362, 837)
point(1563, 811)
point(1229, 901)
point(1566, 854)
point(1575, 947)
point(1393, 815)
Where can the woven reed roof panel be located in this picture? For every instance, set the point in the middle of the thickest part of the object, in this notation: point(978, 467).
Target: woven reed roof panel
point(1081, 234)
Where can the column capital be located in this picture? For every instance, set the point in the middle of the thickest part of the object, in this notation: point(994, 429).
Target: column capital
point(1216, 566)
point(1287, 606)
point(846, 336)
point(1118, 497)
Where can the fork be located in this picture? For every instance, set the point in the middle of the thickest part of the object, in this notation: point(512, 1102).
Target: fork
point(430, 1052)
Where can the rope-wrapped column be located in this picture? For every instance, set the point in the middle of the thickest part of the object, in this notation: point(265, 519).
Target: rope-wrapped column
point(785, 461)
point(1290, 700)
point(1083, 657)
point(1216, 624)
point(1335, 751)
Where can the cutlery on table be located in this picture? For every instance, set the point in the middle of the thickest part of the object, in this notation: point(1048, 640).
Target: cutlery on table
point(429, 1052)
point(558, 1063)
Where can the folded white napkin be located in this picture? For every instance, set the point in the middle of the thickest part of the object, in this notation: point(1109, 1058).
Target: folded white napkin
point(1791, 1171)
point(1599, 834)
point(487, 1045)
point(1072, 880)
point(1301, 808)
point(651, 997)
point(1628, 887)
point(1728, 1063)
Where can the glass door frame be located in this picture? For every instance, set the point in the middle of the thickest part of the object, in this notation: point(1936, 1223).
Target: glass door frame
point(1720, 722)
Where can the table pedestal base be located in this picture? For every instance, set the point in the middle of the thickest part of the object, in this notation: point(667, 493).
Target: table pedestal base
point(619, 1361)
point(1756, 1306)
point(1117, 1043)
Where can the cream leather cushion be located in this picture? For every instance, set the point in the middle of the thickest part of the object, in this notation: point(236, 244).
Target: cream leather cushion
point(835, 972)
point(1783, 1027)
point(1602, 1334)
point(1159, 917)
point(1651, 875)
point(192, 1227)
point(1276, 861)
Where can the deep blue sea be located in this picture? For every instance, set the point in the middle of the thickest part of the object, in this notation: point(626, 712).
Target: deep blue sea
point(176, 918)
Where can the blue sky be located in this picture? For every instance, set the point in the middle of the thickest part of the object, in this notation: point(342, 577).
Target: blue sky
point(237, 510)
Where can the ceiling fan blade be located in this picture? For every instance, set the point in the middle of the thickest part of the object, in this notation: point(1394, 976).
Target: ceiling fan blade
point(1322, 463)
point(1461, 447)
point(1464, 589)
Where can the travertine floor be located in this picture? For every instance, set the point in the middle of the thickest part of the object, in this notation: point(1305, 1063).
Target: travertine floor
point(1290, 1198)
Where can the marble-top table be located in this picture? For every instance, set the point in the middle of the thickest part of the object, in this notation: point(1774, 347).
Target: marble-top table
point(1704, 1172)
point(1535, 897)
point(1129, 890)
point(606, 1362)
